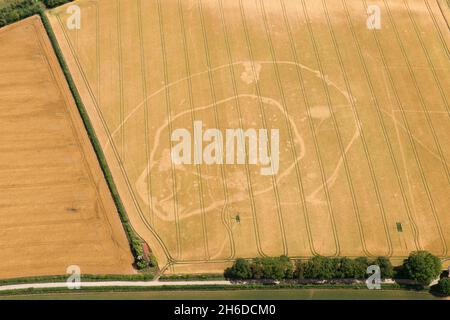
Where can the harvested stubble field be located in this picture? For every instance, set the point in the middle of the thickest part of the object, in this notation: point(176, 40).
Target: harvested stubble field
point(363, 118)
point(55, 206)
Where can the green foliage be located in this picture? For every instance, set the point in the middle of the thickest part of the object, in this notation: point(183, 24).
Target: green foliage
point(55, 3)
point(422, 267)
point(15, 10)
point(319, 268)
point(299, 272)
point(360, 267)
point(324, 268)
point(387, 270)
point(240, 270)
point(444, 286)
point(19, 9)
point(152, 263)
point(344, 268)
point(261, 268)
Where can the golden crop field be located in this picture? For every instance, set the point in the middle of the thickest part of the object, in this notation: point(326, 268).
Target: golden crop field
point(55, 207)
point(362, 114)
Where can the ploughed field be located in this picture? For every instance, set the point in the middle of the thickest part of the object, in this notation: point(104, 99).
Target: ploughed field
point(362, 116)
point(55, 208)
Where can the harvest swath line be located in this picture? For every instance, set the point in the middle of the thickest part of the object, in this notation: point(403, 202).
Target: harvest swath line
point(146, 115)
point(299, 174)
point(427, 116)
point(333, 212)
point(329, 103)
point(166, 80)
point(238, 107)
point(433, 70)
point(418, 161)
point(216, 116)
point(105, 127)
point(411, 140)
point(74, 132)
point(283, 97)
point(121, 94)
point(436, 26)
point(171, 260)
point(358, 123)
point(320, 161)
point(442, 12)
point(444, 98)
point(264, 121)
point(56, 122)
point(401, 107)
point(361, 134)
point(193, 117)
point(417, 87)
point(382, 124)
point(97, 50)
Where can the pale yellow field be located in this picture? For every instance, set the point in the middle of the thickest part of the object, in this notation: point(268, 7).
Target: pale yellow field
point(55, 207)
point(363, 118)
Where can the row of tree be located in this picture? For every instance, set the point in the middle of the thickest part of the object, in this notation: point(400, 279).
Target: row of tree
point(320, 268)
point(420, 266)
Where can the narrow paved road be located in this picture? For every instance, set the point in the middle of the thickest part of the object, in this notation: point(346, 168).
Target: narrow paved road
point(113, 284)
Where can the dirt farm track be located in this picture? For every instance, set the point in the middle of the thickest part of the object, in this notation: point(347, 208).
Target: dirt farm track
point(363, 117)
point(55, 207)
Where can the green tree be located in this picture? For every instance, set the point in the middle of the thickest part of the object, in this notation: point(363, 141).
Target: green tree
point(346, 268)
point(152, 263)
point(141, 263)
point(287, 267)
point(360, 267)
point(422, 267)
point(387, 270)
point(299, 272)
point(55, 3)
point(240, 270)
point(444, 286)
point(319, 268)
